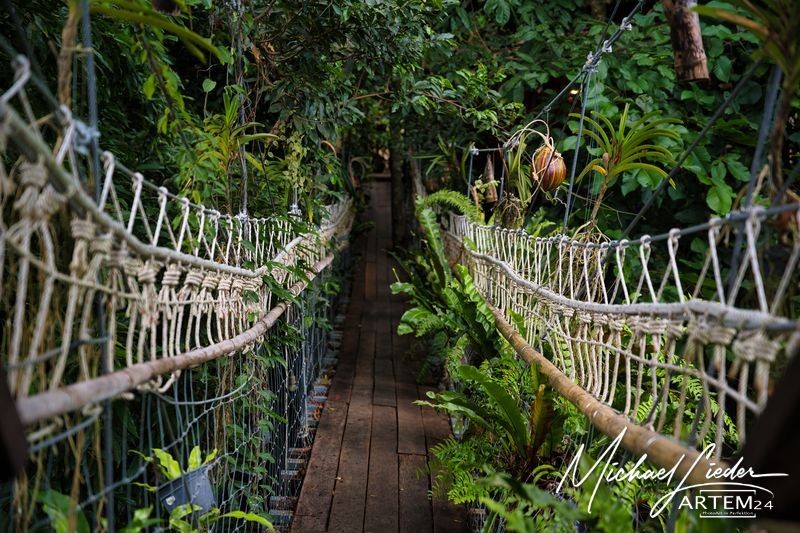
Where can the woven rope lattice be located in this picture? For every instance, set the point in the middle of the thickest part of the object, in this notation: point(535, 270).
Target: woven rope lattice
point(691, 362)
point(141, 296)
point(171, 276)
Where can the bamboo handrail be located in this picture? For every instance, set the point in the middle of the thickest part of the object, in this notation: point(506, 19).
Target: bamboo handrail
point(639, 440)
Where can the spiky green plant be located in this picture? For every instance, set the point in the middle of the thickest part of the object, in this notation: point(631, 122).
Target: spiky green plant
point(626, 147)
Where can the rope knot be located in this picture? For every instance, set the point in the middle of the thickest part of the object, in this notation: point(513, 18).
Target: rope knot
point(755, 346)
point(101, 244)
point(720, 335)
point(85, 136)
point(224, 283)
point(131, 265)
point(252, 284)
point(49, 202)
point(210, 281)
point(674, 329)
point(644, 326)
point(616, 324)
point(117, 258)
point(564, 311)
point(171, 276)
point(147, 273)
point(699, 333)
point(237, 284)
point(193, 278)
point(589, 66)
point(33, 174)
point(82, 230)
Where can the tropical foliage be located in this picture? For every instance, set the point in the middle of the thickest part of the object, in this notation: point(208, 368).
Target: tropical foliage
point(269, 105)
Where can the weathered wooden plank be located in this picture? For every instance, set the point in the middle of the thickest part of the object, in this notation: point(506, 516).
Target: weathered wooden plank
point(384, 392)
point(410, 428)
point(366, 347)
point(316, 496)
point(305, 524)
point(349, 499)
point(346, 368)
point(415, 507)
point(384, 439)
point(382, 487)
point(370, 282)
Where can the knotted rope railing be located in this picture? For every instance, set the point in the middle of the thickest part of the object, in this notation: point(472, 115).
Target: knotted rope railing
point(676, 354)
point(180, 285)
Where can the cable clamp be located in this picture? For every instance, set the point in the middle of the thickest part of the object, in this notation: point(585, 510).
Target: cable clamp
point(84, 137)
point(591, 62)
point(626, 25)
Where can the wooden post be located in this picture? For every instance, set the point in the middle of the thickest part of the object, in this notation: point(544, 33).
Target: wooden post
point(687, 41)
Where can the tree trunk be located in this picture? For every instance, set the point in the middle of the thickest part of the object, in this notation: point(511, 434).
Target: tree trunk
point(65, 54)
point(598, 8)
point(687, 41)
point(399, 223)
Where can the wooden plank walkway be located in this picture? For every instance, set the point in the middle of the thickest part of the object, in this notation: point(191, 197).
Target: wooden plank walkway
point(372, 443)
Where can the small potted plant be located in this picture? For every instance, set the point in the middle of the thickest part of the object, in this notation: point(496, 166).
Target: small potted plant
point(189, 487)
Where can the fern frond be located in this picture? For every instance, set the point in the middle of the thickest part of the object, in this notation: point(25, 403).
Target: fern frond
point(430, 225)
point(453, 200)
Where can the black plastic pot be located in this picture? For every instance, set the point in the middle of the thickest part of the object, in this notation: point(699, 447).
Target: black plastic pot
point(192, 487)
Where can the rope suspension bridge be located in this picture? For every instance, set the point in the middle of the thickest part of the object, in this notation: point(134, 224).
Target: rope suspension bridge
point(623, 334)
point(154, 348)
point(190, 306)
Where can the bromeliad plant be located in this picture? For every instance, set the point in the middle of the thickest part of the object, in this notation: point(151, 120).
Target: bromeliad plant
point(626, 147)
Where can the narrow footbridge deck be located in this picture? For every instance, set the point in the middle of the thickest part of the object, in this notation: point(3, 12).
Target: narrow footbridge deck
point(366, 470)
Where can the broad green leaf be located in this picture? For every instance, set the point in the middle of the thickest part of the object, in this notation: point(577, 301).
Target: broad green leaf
point(210, 457)
point(195, 458)
point(512, 418)
point(58, 508)
point(250, 517)
point(149, 86)
point(169, 466)
point(737, 169)
point(722, 68)
point(719, 198)
point(208, 85)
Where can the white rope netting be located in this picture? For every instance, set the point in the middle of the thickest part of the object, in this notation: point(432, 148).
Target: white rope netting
point(689, 356)
point(171, 276)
